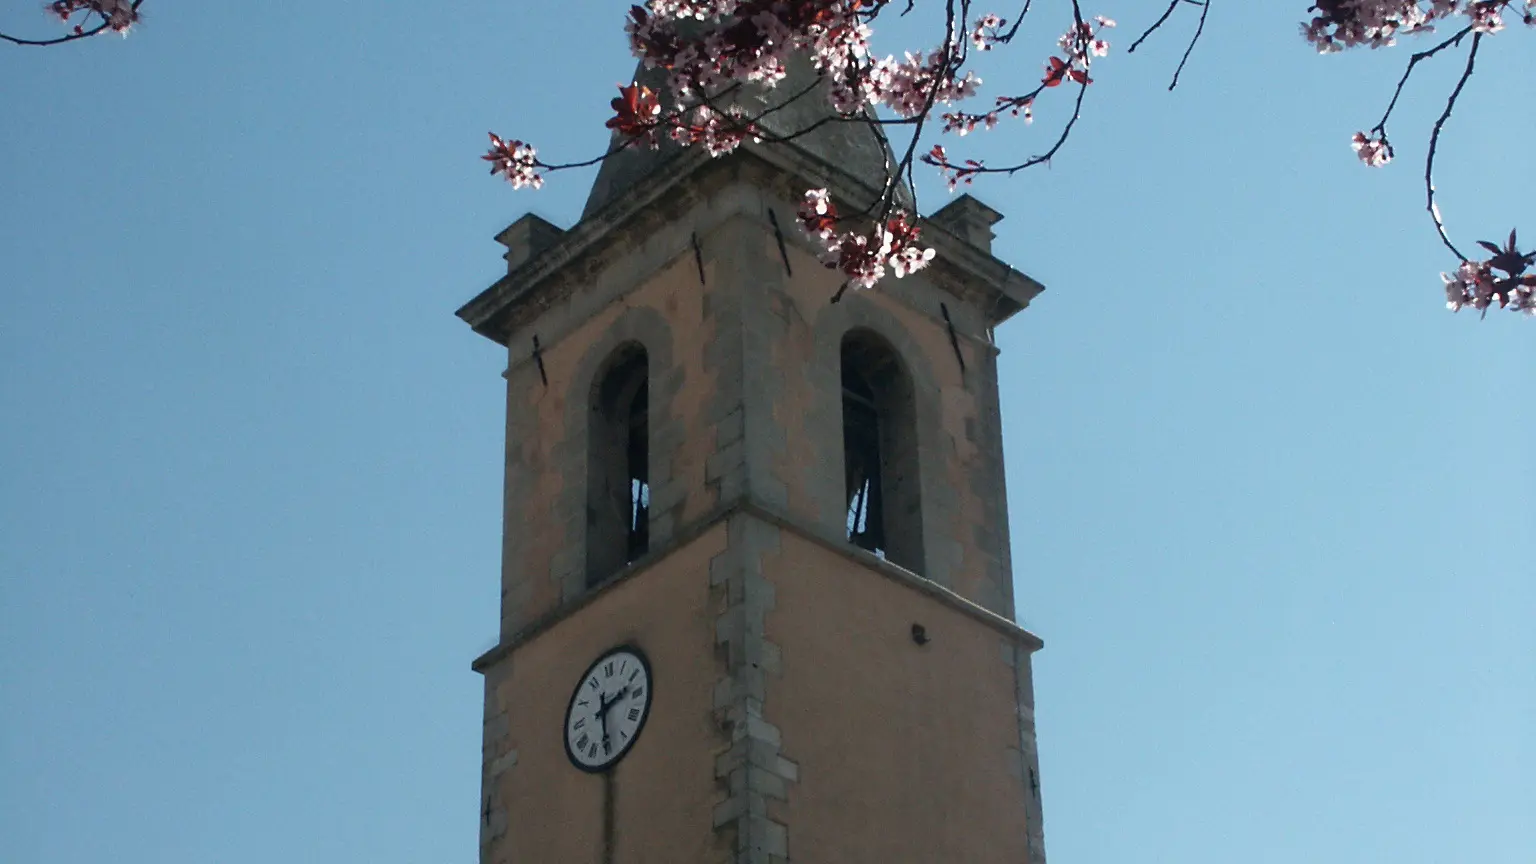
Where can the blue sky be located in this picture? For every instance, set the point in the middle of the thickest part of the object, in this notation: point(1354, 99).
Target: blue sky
point(1271, 504)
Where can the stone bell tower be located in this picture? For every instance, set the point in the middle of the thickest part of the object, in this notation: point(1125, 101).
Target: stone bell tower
point(790, 512)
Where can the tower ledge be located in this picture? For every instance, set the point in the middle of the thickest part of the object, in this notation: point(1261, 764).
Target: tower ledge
point(1010, 630)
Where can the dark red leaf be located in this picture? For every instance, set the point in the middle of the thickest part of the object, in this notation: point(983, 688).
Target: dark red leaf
point(1054, 72)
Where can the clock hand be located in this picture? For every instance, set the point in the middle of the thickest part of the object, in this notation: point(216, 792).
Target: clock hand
point(609, 703)
point(605, 705)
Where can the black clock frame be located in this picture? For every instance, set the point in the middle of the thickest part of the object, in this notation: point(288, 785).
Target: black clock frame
point(645, 663)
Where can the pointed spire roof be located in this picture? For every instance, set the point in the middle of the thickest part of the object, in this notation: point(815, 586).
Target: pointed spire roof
point(858, 150)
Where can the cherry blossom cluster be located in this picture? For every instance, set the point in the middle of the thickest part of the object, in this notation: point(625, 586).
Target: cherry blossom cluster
point(515, 161)
point(710, 49)
point(707, 48)
point(954, 173)
point(911, 85)
point(638, 118)
point(716, 131)
point(1080, 44)
point(1501, 279)
point(746, 40)
point(988, 32)
point(863, 256)
point(1082, 41)
point(1341, 24)
point(751, 41)
point(1372, 149)
point(116, 15)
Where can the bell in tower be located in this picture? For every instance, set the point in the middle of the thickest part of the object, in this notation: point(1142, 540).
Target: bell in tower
point(757, 595)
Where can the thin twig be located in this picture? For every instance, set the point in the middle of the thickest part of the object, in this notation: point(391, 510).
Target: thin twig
point(1412, 62)
point(1077, 111)
point(1434, 143)
point(85, 34)
point(1008, 37)
point(1155, 24)
point(1205, 9)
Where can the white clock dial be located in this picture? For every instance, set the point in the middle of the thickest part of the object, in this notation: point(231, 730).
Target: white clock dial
point(608, 709)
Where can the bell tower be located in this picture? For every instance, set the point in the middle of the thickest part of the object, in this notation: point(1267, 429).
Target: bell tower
point(790, 511)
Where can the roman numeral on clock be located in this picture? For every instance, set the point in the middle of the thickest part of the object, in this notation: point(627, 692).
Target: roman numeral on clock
point(634, 714)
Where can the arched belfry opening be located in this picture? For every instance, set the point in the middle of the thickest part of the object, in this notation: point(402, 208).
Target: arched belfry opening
point(880, 453)
point(618, 464)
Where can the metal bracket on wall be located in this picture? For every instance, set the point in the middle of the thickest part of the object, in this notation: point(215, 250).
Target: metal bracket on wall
point(778, 235)
point(954, 341)
point(538, 358)
point(698, 255)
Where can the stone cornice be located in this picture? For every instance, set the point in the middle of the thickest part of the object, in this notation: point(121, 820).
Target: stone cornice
point(960, 267)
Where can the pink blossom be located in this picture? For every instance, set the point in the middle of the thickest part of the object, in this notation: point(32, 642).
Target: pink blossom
point(1373, 151)
point(1487, 17)
point(718, 133)
point(515, 161)
point(1471, 286)
point(1341, 24)
point(910, 260)
point(987, 31)
point(908, 86)
point(1523, 300)
point(862, 256)
point(116, 15)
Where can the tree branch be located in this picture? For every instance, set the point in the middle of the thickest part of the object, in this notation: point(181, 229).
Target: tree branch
point(69, 37)
point(1412, 62)
point(1205, 9)
point(1434, 144)
point(1172, 5)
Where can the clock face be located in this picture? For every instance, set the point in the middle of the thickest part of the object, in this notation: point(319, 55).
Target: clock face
point(608, 709)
